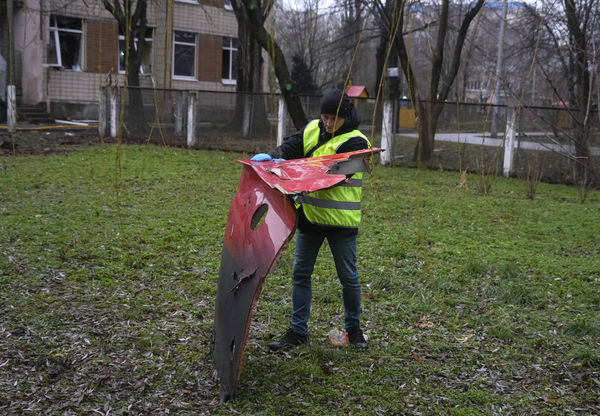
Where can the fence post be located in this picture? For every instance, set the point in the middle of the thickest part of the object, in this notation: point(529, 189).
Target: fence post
point(11, 109)
point(102, 112)
point(247, 115)
point(509, 141)
point(281, 121)
point(191, 120)
point(180, 112)
point(387, 132)
point(114, 123)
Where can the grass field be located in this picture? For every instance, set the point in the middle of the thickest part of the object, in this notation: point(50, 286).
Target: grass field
point(473, 304)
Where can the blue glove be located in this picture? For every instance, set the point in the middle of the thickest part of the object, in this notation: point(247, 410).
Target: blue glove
point(278, 160)
point(261, 157)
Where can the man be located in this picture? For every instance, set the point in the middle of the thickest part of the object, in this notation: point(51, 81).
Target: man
point(332, 214)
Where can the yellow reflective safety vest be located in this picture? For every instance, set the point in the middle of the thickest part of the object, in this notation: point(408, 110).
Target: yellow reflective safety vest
point(338, 206)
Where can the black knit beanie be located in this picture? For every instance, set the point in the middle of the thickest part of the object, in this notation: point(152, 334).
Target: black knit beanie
point(331, 101)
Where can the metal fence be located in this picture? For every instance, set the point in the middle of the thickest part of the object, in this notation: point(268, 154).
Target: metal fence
point(208, 119)
point(544, 137)
point(544, 146)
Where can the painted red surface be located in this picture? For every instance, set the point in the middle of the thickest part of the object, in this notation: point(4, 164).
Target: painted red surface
point(260, 225)
point(304, 175)
point(250, 252)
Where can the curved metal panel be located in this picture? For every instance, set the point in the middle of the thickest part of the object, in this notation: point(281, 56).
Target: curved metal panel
point(260, 225)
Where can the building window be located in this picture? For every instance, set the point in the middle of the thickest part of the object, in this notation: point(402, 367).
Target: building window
point(146, 63)
point(64, 44)
point(184, 55)
point(229, 70)
point(228, 5)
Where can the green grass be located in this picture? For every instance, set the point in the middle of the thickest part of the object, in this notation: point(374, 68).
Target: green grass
point(473, 305)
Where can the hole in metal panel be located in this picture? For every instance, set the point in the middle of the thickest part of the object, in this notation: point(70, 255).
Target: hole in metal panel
point(232, 350)
point(259, 216)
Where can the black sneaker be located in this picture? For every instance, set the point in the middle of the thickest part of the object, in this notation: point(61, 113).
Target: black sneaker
point(356, 338)
point(289, 340)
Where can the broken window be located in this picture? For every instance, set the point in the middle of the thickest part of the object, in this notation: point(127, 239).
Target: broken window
point(146, 63)
point(64, 43)
point(184, 55)
point(229, 70)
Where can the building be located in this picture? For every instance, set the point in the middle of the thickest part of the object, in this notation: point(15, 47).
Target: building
point(65, 50)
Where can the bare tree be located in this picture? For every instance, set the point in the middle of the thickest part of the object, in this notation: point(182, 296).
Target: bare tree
point(429, 100)
point(323, 37)
point(132, 23)
point(572, 29)
point(249, 80)
point(581, 18)
point(252, 14)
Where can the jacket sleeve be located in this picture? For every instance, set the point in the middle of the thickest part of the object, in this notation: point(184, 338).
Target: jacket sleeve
point(352, 144)
point(291, 148)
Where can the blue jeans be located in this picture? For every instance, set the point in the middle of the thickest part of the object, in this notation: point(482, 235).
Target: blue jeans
point(344, 256)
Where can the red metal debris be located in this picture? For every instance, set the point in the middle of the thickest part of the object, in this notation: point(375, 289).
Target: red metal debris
point(314, 173)
point(260, 225)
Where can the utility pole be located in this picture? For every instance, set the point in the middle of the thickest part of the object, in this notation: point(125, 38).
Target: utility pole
point(496, 100)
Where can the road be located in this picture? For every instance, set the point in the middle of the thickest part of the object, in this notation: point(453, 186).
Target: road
point(525, 141)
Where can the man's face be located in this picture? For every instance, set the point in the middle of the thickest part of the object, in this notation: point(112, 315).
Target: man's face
point(331, 122)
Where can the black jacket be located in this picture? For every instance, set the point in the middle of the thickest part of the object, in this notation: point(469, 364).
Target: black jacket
point(293, 148)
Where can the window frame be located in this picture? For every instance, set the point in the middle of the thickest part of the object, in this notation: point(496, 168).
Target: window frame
point(193, 77)
point(149, 42)
point(54, 32)
point(232, 80)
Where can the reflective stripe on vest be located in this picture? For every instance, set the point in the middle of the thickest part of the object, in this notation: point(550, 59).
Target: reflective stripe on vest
point(340, 205)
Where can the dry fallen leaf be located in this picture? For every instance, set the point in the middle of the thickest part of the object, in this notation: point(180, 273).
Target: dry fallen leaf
point(464, 338)
point(552, 400)
point(425, 324)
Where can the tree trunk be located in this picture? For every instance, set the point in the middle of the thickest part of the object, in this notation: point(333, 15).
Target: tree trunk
point(248, 13)
point(245, 73)
point(133, 26)
point(427, 126)
point(260, 121)
point(135, 114)
point(582, 151)
point(249, 74)
point(580, 93)
point(439, 85)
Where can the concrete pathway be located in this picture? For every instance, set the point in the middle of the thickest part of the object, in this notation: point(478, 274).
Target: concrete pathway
point(524, 141)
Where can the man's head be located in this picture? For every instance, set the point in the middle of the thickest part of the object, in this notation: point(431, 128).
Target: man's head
point(335, 108)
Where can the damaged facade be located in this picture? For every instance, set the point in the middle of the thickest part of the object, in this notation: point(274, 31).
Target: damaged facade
point(65, 50)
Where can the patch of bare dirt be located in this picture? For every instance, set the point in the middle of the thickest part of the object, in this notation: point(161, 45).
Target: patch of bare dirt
point(41, 142)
